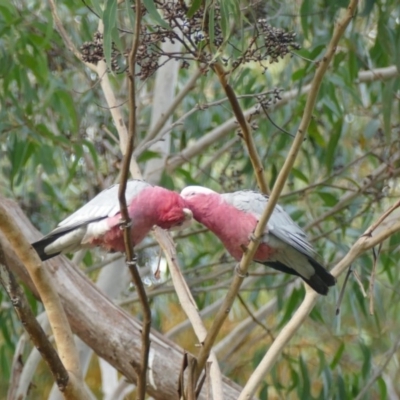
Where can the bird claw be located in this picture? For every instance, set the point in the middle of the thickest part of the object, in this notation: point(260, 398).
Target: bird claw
point(124, 224)
point(253, 238)
point(132, 262)
point(239, 272)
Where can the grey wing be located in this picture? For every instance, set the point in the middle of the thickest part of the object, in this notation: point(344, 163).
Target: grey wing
point(280, 224)
point(105, 204)
point(247, 201)
point(285, 229)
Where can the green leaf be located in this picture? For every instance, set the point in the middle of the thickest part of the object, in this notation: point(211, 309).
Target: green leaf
point(109, 20)
point(46, 159)
point(64, 101)
point(97, 8)
point(334, 137)
point(152, 10)
point(329, 199)
point(353, 66)
point(382, 388)
point(186, 176)
point(264, 391)
point(341, 387)
point(290, 305)
point(387, 104)
point(367, 360)
point(93, 152)
point(196, 4)
point(304, 389)
point(299, 175)
point(225, 26)
point(130, 13)
point(337, 356)
point(305, 10)
point(211, 25)
point(372, 128)
point(148, 155)
point(368, 7)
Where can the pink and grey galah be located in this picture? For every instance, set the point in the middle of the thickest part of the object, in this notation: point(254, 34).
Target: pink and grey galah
point(98, 223)
point(233, 218)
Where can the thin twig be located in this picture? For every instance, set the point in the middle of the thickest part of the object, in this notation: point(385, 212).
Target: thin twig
point(244, 126)
point(216, 134)
point(153, 133)
point(18, 362)
point(359, 282)
point(382, 218)
point(379, 371)
point(65, 37)
point(190, 308)
point(380, 174)
point(141, 370)
point(254, 318)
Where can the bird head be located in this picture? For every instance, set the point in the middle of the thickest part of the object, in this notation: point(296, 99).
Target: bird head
point(173, 212)
point(194, 191)
point(199, 199)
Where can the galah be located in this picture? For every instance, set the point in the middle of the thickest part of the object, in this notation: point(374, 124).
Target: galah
point(98, 223)
point(233, 218)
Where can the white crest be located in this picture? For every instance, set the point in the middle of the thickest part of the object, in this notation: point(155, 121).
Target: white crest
point(193, 190)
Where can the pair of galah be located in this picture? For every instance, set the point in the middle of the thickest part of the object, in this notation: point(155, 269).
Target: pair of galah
point(230, 216)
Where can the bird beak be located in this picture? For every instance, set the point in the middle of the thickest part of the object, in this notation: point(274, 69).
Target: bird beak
point(188, 214)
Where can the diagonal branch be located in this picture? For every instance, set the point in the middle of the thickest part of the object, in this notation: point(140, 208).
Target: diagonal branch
point(62, 332)
point(31, 325)
point(113, 334)
point(189, 306)
point(364, 243)
point(273, 199)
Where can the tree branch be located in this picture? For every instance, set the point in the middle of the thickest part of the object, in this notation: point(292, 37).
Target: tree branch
point(189, 306)
point(74, 389)
point(31, 325)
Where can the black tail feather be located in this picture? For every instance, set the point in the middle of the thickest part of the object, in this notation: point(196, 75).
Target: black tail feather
point(55, 234)
point(320, 281)
point(40, 245)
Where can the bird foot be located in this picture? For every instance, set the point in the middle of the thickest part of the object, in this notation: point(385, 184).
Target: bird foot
point(124, 224)
point(244, 248)
point(253, 238)
point(132, 262)
point(240, 273)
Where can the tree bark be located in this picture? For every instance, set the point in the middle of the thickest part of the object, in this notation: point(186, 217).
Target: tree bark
point(112, 333)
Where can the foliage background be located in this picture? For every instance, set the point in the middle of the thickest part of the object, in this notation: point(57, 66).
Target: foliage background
point(58, 148)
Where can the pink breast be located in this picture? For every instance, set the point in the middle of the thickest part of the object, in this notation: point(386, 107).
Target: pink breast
point(113, 240)
point(235, 234)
